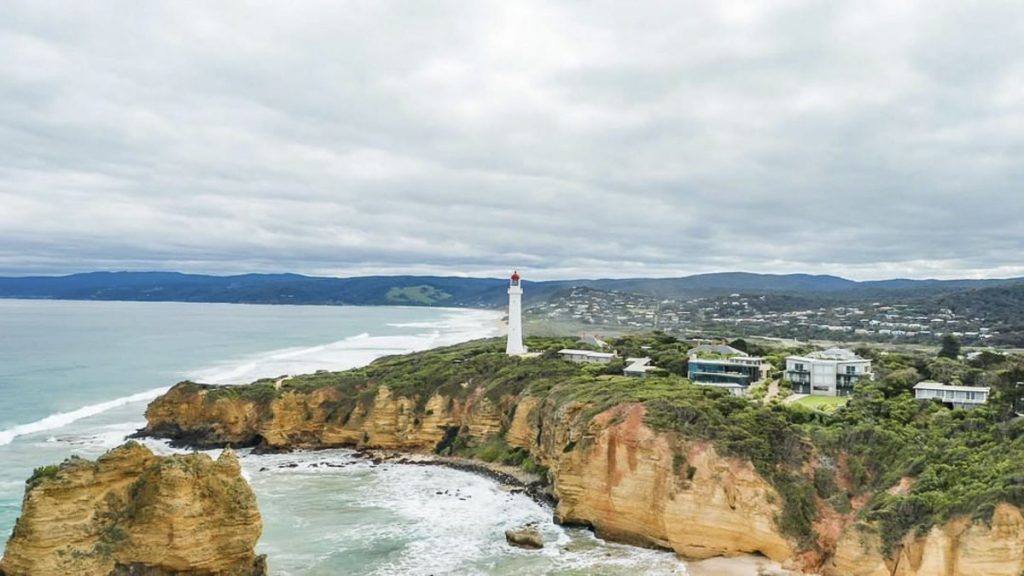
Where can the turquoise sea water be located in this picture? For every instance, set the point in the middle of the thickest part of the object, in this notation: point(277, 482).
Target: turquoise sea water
point(75, 378)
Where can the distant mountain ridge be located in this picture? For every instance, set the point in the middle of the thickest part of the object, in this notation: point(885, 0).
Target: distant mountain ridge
point(443, 290)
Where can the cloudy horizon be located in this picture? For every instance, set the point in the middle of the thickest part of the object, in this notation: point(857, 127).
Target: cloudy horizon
point(866, 140)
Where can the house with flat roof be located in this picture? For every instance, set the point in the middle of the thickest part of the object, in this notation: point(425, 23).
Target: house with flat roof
point(832, 372)
point(956, 396)
point(720, 349)
point(726, 367)
point(586, 356)
point(593, 341)
point(637, 367)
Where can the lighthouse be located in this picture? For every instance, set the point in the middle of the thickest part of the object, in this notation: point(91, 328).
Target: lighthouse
point(515, 347)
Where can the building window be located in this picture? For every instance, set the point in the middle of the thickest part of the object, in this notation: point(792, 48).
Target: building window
point(851, 369)
point(970, 395)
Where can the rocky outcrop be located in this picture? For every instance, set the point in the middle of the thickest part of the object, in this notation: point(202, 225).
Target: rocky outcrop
point(204, 416)
point(958, 548)
point(132, 512)
point(634, 485)
point(526, 537)
point(609, 471)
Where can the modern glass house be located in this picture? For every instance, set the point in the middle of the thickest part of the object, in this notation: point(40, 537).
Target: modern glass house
point(725, 367)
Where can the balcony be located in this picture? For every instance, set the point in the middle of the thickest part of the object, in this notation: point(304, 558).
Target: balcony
point(798, 377)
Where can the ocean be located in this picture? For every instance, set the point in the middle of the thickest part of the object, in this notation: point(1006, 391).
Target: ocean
point(75, 378)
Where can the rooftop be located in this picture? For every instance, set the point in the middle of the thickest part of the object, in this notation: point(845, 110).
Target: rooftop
point(930, 385)
point(835, 354)
point(717, 349)
point(590, 353)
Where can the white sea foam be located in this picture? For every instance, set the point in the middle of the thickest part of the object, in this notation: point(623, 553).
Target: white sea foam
point(100, 438)
point(61, 419)
point(353, 351)
point(396, 517)
point(456, 326)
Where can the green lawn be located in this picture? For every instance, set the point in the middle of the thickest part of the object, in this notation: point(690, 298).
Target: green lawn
point(823, 403)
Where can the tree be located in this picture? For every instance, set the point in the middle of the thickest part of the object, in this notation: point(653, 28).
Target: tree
point(947, 371)
point(950, 347)
point(739, 344)
point(987, 359)
point(899, 382)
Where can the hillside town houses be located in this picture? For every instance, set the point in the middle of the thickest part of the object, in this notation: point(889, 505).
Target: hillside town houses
point(765, 316)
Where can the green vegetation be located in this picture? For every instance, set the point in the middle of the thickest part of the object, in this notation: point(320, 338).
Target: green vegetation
point(495, 450)
point(42, 474)
point(950, 347)
point(422, 295)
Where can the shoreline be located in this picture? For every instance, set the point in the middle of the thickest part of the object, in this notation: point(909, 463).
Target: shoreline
point(539, 490)
point(511, 478)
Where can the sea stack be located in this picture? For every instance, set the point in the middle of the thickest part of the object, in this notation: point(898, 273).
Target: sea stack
point(515, 347)
point(133, 512)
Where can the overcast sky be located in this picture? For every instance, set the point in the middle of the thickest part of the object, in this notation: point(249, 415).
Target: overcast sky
point(864, 139)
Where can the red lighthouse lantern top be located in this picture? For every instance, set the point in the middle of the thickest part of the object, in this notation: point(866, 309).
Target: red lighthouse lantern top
point(515, 276)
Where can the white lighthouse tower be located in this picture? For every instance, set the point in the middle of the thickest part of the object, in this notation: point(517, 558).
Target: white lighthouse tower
point(515, 317)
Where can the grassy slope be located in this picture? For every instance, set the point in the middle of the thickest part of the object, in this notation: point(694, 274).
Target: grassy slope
point(822, 403)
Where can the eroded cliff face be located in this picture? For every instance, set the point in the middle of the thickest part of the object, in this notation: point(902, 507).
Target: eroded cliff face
point(132, 512)
point(958, 548)
point(610, 471)
point(320, 418)
point(635, 485)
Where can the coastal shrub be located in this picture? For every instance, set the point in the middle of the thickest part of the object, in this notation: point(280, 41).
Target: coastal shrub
point(825, 482)
point(42, 474)
point(798, 507)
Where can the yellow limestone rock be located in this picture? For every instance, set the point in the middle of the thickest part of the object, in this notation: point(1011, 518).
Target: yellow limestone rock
point(134, 512)
point(627, 482)
point(957, 548)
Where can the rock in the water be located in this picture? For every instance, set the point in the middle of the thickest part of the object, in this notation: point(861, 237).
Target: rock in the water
point(134, 513)
point(527, 537)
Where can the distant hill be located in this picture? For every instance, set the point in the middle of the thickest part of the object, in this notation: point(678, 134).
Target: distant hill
point(1004, 304)
point(448, 291)
point(724, 283)
point(258, 289)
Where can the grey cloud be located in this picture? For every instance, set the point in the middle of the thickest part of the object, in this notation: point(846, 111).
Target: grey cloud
point(869, 139)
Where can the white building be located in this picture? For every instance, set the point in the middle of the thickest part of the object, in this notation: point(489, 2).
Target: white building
point(832, 372)
point(637, 367)
point(957, 396)
point(586, 356)
point(514, 345)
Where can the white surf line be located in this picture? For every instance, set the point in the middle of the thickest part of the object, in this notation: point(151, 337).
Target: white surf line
point(61, 419)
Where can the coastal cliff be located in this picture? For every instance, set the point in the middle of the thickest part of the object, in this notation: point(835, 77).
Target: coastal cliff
point(132, 512)
point(612, 472)
point(660, 463)
point(958, 548)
